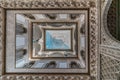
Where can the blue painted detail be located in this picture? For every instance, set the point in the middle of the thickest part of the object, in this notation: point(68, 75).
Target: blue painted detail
point(52, 43)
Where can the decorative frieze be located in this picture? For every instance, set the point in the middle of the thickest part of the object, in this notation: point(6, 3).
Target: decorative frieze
point(46, 77)
point(47, 3)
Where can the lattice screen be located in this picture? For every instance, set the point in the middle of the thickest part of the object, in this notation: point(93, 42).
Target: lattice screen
point(109, 68)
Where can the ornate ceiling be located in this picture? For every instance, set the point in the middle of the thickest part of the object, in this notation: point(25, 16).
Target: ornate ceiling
point(94, 33)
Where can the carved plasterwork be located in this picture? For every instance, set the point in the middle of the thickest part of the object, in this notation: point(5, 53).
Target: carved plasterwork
point(111, 51)
point(110, 67)
point(46, 77)
point(47, 3)
point(106, 37)
point(52, 4)
point(110, 47)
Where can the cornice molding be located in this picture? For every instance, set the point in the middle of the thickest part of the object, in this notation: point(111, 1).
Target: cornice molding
point(46, 3)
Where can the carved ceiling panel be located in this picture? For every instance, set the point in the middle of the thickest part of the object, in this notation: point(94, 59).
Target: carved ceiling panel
point(52, 5)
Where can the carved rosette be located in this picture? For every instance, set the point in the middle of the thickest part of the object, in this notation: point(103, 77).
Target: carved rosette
point(41, 4)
